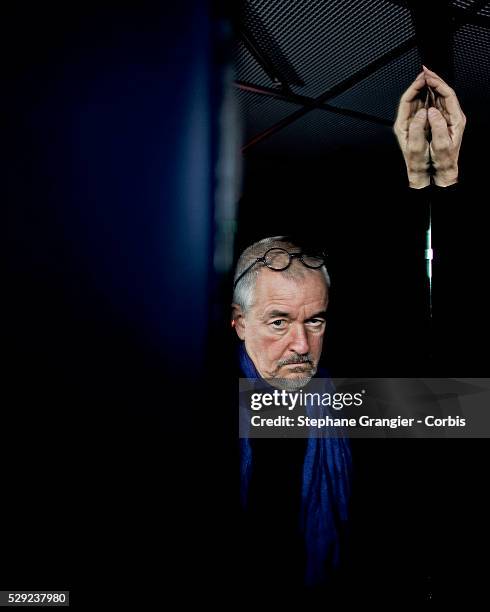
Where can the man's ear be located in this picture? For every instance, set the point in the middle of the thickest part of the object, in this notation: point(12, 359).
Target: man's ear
point(238, 320)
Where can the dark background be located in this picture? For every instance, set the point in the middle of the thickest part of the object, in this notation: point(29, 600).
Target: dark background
point(329, 174)
point(116, 309)
point(419, 506)
point(109, 117)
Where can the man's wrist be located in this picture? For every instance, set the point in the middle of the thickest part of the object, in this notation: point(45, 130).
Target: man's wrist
point(418, 180)
point(446, 179)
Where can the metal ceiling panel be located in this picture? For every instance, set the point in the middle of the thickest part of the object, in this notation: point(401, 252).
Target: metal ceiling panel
point(259, 112)
point(378, 95)
point(326, 41)
point(485, 10)
point(320, 132)
point(463, 3)
point(472, 64)
point(248, 69)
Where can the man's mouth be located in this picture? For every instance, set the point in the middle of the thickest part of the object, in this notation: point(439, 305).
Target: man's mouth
point(299, 367)
point(304, 368)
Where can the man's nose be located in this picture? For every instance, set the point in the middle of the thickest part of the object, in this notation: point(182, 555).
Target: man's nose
point(299, 340)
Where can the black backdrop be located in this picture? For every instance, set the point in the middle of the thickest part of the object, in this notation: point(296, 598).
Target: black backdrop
point(419, 505)
point(110, 140)
point(356, 204)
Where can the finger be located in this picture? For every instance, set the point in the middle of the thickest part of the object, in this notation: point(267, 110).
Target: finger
point(414, 89)
point(432, 96)
point(416, 131)
point(439, 128)
point(447, 93)
point(433, 74)
point(441, 87)
point(409, 95)
point(447, 102)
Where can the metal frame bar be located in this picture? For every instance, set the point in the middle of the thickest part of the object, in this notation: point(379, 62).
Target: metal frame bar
point(249, 41)
point(333, 92)
point(272, 60)
point(306, 101)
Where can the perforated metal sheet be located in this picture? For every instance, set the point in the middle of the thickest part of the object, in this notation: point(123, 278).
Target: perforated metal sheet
point(379, 94)
point(485, 10)
point(326, 41)
point(472, 66)
point(320, 132)
point(259, 112)
point(463, 3)
point(247, 69)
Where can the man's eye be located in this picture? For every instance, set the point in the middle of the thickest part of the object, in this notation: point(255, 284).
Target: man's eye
point(316, 322)
point(279, 323)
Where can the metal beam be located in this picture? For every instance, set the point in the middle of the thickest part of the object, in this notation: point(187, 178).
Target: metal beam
point(333, 92)
point(305, 101)
point(250, 43)
point(266, 51)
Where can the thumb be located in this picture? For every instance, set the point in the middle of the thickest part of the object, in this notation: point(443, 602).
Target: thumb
point(416, 130)
point(438, 126)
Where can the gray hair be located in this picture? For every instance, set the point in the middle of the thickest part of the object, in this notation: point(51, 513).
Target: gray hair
point(243, 293)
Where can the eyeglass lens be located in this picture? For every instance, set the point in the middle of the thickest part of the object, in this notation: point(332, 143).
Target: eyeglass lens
point(279, 259)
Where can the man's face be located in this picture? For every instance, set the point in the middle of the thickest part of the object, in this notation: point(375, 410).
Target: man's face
point(283, 330)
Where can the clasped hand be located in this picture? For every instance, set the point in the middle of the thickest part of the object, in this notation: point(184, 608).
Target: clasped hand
point(430, 135)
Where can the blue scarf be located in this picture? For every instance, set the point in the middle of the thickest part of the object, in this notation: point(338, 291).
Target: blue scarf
point(325, 490)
